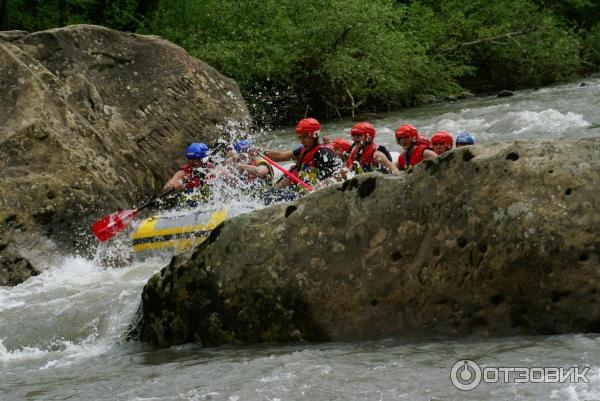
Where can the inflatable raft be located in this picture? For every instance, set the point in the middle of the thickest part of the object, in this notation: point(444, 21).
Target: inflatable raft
point(175, 233)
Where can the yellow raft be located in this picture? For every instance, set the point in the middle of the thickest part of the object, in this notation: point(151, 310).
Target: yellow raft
point(175, 233)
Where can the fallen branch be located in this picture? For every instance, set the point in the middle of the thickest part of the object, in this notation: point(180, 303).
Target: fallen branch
point(353, 106)
point(494, 39)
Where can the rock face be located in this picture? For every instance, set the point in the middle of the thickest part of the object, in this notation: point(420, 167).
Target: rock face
point(486, 241)
point(14, 269)
point(95, 119)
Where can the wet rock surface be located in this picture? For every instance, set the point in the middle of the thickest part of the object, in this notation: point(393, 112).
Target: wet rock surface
point(96, 120)
point(14, 269)
point(499, 240)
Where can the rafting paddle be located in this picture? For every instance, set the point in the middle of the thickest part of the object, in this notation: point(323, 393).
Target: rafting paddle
point(287, 173)
point(106, 228)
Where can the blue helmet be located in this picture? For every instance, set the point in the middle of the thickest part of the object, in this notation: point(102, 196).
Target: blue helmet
point(196, 151)
point(465, 139)
point(243, 145)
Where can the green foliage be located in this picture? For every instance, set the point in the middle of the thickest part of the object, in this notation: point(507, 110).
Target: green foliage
point(591, 49)
point(319, 53)
point(337, 56)
point(578, 13)
point(511, 43)
point(35, 15)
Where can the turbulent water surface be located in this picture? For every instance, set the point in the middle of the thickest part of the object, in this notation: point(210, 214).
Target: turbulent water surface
point(62, 334)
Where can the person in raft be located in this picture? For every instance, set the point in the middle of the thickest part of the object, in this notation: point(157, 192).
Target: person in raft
point(407, 137)
point(341, 146)
point(423, 140)
point(315, 163)
point(366, 155)
point(464, 140)
point(441, 142)
point(193, 179)
point(253, 169)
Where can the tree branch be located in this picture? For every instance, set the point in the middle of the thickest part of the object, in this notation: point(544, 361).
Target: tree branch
point(494, 39)
point(341, 37)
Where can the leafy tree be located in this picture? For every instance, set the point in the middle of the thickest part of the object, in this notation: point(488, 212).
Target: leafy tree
point(591, 48)
point(334, 57)
point(33, 15)
point(510, 44)
point(320, 53)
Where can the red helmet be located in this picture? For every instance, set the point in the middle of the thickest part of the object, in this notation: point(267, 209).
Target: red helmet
point(423, 140)
point(442, 137)
point(341, 145)
point(365, 129)
point(308, 126)
point(407, 130)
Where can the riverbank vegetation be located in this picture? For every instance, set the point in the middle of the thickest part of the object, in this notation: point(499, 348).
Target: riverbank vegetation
point(338, 57)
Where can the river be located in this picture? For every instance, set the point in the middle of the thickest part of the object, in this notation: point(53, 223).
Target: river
point(62, 333)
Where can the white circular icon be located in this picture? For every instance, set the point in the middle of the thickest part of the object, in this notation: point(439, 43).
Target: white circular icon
point(465, 375)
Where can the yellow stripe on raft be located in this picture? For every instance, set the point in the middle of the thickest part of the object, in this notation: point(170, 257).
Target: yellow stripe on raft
point(179, 245)
point(147, 230)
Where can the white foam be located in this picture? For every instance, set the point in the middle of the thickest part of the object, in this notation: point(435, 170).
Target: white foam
point(580, 391)
point(61, 354)
point(21, 354)
point(547, 121)
point(500, 123)
point(69, 312)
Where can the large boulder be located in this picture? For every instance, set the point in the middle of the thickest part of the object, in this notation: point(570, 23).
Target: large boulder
point(95, 119)
point(496, 240)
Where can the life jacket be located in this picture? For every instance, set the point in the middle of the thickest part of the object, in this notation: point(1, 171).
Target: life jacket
point(197, 177)
point(361, 159)
point(197, 182)
point(306, 168)
point(414, 156)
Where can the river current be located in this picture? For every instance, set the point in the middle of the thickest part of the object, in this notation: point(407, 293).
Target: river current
point(62, 333)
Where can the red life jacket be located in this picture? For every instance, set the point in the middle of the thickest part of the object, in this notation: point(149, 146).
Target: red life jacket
point(416, 157)
point(201, 178)
point(366, 161)
point(306, 160)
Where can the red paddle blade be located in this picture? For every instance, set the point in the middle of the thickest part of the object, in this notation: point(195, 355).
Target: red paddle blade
point(108, 226)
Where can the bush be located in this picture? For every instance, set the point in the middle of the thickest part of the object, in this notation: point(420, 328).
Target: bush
point(334, 57)
point(323, 55)
point(591, 49)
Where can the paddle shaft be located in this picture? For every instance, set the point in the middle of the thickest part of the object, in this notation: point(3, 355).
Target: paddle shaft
point(153, 200)
point(287, 173)
point(110, 225)
point(170, 191)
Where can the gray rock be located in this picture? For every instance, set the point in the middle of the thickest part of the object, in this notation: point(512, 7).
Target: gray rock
point(14, 269)
point(10, 36)
point(96, 120)
point(501, 240)
point(465, 95)
point(505, 93)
